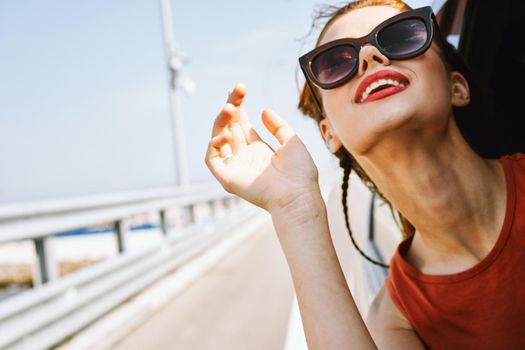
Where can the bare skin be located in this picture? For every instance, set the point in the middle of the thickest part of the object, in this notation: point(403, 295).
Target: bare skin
point(415, 153)
point(410, 147)
point(285, 183)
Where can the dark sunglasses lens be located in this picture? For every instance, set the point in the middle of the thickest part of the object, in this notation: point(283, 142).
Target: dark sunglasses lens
point(403, 37)
point(334, 64)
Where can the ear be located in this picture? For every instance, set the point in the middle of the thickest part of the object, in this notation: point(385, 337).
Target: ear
point(460, 93)
point(330, 138)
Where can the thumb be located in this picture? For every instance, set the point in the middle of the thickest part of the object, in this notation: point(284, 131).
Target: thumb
point(277, 126)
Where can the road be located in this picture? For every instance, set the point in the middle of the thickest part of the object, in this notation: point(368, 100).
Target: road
point(241, 303)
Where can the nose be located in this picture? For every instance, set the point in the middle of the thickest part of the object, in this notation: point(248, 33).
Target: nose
point(369, 56)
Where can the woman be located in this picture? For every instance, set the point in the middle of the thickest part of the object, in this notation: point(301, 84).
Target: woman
point(385, 107)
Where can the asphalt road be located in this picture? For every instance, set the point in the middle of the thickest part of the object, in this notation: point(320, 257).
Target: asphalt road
point(241, 303)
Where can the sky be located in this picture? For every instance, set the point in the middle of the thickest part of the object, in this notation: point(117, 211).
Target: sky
point(84, 99)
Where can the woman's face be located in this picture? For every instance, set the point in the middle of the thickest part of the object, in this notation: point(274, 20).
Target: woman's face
point(424, 104)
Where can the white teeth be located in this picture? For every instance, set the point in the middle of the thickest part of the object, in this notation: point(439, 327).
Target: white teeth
point(377, 84)
point(373, 86)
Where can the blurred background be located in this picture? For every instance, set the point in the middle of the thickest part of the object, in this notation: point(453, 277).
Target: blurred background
point(100, 230)
point(84, 101)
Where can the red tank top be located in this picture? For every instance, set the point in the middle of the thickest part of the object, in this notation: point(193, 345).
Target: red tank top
point(482, 307)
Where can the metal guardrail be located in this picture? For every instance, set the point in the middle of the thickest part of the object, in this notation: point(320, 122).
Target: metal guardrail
point(45, 315)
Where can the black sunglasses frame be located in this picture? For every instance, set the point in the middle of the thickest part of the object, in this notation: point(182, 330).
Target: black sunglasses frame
point(424, 13)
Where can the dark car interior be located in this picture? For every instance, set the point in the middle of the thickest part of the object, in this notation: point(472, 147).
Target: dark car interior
point(492, 43)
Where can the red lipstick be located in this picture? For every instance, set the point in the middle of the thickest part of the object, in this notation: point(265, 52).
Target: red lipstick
point(382, 74)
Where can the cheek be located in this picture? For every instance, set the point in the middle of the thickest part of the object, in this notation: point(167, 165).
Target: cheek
point(433, 72)
point(334, 106)
point(351, 127)
point(435, 89)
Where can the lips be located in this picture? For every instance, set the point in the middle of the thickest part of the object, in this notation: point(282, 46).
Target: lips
point(376, 95)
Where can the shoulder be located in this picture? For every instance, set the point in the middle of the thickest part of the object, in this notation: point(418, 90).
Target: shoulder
point(516, 158)
point(515, 164)
point(519, 159)
point(384, 314)
point(389, 328)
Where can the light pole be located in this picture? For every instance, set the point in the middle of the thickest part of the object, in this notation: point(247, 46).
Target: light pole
point(174, 64)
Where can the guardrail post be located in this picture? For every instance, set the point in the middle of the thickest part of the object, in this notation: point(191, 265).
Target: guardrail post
point(213, 209)
point(226, 203)
point(164, 222)
point(190, 214)
point(47, 269)
point(121, 228)
point(236, 201)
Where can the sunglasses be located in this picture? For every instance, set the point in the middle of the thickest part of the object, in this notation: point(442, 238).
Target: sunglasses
point(402, 36)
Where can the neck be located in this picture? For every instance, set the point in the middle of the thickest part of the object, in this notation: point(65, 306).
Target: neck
point(454, 198)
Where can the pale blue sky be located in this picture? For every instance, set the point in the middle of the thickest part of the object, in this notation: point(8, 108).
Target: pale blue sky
point(84, 98)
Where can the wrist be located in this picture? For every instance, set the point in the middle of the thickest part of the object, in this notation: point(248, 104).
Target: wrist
point(306, 205)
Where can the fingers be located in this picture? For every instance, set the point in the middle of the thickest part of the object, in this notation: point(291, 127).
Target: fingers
point(233, 117)
point(218, 142)
point(238, 140)
point(223, 120)
point(236, 95)
point(218, 153)
point(277, 126)
point(236, 98)
point(226, 121)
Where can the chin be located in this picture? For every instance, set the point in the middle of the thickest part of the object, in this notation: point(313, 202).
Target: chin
point(395, 122)
point(394, 116)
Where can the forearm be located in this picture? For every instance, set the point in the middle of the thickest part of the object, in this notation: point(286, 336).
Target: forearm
point(330, 317)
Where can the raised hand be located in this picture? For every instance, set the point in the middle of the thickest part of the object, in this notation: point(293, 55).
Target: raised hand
point(247, 166)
